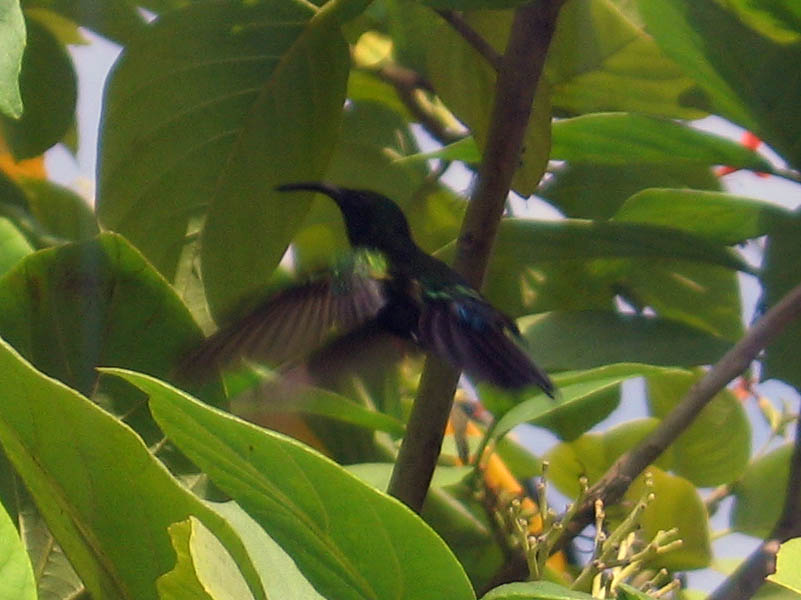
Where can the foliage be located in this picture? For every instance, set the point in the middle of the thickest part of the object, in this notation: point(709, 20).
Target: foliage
point(124, 481)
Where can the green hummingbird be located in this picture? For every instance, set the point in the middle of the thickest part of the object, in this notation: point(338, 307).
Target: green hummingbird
point(392, 288)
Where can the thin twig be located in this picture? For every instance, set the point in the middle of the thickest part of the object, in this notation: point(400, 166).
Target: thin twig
point(520, 71)
point(472, 37)
point(750, 575)
point(617, 479)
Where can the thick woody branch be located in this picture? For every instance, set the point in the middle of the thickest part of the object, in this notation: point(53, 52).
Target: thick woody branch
point(611, 487)
point(516, 83)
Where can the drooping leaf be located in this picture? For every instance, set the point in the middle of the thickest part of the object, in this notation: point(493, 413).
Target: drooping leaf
point(605, 70)
point(12, 45)
point(106, 499)
point(583, 340)
point(717, 216)
point(75, 307)
point(630, 138)
point(49, 93)
point(750, 79)
point(305, 502)
point(247, 99)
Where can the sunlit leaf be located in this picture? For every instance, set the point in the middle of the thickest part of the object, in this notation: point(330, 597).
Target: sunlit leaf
point(12, 45)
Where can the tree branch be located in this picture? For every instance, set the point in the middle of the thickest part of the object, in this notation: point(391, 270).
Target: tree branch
point(516, 83)
point(472, 37)
point(750, 575)
point(611, 487)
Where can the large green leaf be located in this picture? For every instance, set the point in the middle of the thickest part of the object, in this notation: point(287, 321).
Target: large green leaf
point(630, 138)
point(676, 503)
point(587, 339)
point(246, 96)
point(779, 19)
point(751, 79)
point(706, 460)
point(596, 191)
point(306, 503)
point(72, 308)
point(466, 83)
point(12, 45)
point(780, 274)
point(597, 62)
point(106, 499)
point(16, 573)
point(760, 493)
point(49, 93)
point(717, 216)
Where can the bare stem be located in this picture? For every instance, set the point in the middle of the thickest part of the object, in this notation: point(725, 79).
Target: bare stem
point(521, 67)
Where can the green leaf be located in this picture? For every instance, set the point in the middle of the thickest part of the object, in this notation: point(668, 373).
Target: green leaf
point(577, 393)
point(534, 590)
point(248, 98)
point(16, 573)
point(625, 138)
point(72, 308)
point(464, 150)
point(118, 20)
point(596, 191)
point(12, 46)
point(750, 79)
point(204, 569)
point(466, 83)
point(592, 454)
point(781, 359)
point(779, 19)
point(759, 495)
point(716, 216)
point(305, 502)
point(676, 503)
point(280, 576)
point(106, 499)
point(787, 560)
point(13, 245)
point(62, 212)
point(587, 339)
point(607, 70)
point(706, 460)
point(49, 92)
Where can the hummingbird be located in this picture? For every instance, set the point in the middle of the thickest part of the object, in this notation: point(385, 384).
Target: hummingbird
point(391, 288)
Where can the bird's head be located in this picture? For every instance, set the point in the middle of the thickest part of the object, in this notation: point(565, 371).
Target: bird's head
point(372, 220)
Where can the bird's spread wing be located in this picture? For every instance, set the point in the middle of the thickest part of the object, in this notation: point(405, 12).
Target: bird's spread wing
point(471, 334)
point(291, 323)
